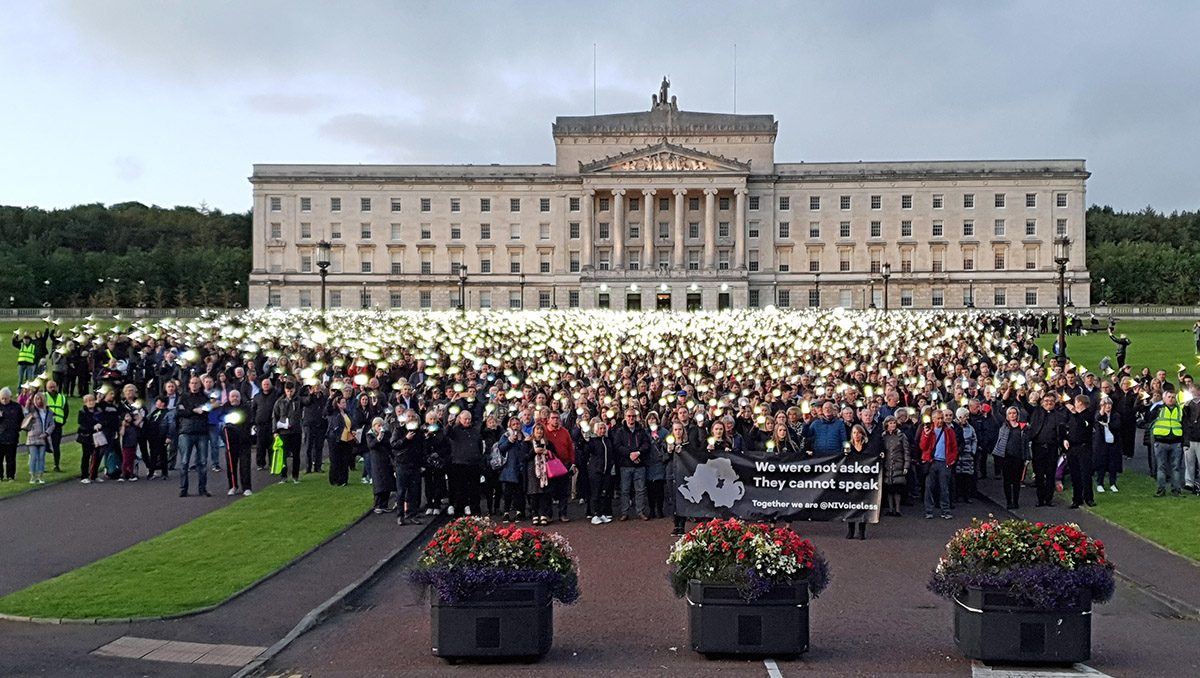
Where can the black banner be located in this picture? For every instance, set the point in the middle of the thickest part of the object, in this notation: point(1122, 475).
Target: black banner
point(845, 487)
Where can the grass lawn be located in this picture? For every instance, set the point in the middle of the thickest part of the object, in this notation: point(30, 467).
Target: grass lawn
point(1168, 521)
point(1157, 344)
point(69, 464)
point(221, 553)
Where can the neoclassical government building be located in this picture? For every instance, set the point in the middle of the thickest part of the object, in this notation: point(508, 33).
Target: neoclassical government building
point(670, 209)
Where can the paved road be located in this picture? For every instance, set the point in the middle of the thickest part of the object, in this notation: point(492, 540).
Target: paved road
point(63, 527)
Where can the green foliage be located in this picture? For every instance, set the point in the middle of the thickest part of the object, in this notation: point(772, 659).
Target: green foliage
point(168, 249)
point(1145, 257)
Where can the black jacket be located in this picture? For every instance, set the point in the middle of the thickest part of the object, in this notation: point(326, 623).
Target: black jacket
point(601, 456)
point(1047, 428)
point(291, 410)
point(261, 408)
point(10, 423)
point(466, 445)
point(626, 441)
point(187, 419)
point(237, 427)
point(408, 453)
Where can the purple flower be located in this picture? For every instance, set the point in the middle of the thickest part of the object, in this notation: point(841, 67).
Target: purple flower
point(1044, 586)
point(455, 584)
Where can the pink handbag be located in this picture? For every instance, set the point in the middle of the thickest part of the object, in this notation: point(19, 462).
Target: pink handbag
point(555, 468)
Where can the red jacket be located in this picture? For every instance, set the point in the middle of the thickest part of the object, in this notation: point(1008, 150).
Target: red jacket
point(564, 447)
point(929, 441)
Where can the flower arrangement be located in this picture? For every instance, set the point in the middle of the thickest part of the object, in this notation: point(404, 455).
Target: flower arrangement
point(753, 556)
point(1041, 565)
point(471, 557)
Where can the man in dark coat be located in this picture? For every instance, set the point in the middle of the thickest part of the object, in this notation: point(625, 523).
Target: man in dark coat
point(287, 422)
point(1047, 429)
point(466, 461)
point(261, 408)
point(237, 444)
point(632, 445)
point(1079, 451)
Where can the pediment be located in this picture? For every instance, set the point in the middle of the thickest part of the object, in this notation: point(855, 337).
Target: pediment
point(665, 157)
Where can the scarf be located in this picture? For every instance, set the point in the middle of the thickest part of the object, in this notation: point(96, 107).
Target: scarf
point(539, 469)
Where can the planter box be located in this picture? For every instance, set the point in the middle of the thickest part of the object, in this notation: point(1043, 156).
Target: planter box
point(990, 625)
point(516, 620)
point(720, 621)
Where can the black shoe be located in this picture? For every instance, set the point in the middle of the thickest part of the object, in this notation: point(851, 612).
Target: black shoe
point(1074, 506)
point(1090, 503)
point(204, 493)
point(183, 493)
point(1160, 493)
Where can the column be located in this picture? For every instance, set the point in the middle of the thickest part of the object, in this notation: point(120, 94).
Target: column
point(588, 228)
point(739, 230)
point(617, 230)
point(680, 203)
point(648, 229)
point(710, 228)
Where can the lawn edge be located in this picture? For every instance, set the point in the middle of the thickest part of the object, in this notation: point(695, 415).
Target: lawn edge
point(34, 488)
point(4, 616)
point(319, 613)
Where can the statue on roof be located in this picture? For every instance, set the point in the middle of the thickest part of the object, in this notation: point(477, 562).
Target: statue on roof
point(660, 101)
point(662, 90)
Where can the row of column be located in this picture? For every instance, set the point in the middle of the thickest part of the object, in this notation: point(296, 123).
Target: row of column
point(617, 231)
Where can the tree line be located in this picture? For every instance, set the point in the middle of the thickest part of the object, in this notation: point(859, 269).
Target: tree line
point(132, 255)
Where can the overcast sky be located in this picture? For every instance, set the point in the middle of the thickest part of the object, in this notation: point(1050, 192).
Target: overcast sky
point(170, 102)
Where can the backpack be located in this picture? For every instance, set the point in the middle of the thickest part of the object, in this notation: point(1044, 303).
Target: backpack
point(496, 458)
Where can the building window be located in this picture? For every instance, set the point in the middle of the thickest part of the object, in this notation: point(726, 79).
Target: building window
point(1000, 297)
point(814, 202)
point(603, 204)
point(573, 262)
point(426, 205)
point(814, 297)
point(694, 229)
point(397, 268)
point(664, 230)
point(938, 229)
point(514, 264)
point(306, 263)
point(693, 263)
point(543, 204)
point(335, 204)
point(752, 229)
point(602, 261)
point(664, 259)
point(906, 202)
point(364, 204)
point(635, 230)
point(305, 230)
point(573, 299)
point(426, 267)
point(753, 265)
point(514, 231)
point(544, 263)
point(968, 260)
point(752, 202)
point(305, 298)
point(635, 204)
point(395, 231)
point(664, 204)
point(426, 298)
point(1060, 200)
point(876, 229)
point(876, 202)
point(456, 231)
point(1030, 228)
point(785, 229)
point(844, 229)
point(543, 231)
point(514, 300)
point(783, 266)
point(573, 230)
point(365, 266)
point(1060, 227)
point(844, 261)
point(937, 297)
point(754, 299)
point(1031, 257)
point(426, 232)
point(783, 298)
point(335, 299)
point(723, 229)
point(305, 204)
point(693, 204)
point(999, 228)
point(814, 229)
point(814, 265)
point(723, 260)
point(845, 202)
point(364, 231)
point(937, 263)
point(335, 231)
point(723, 203)
point(906, 297)
point(969, 228)
point(1031, 199)
point(485, 231)
point(514, 204)
point(938, 201)
point(395, 204)
point(785, 203)
point(999, 260)
point(999, 200)
point(394, 299)
point(604, 235)
point(276, 230)
point(573, 204)
point(969, 201)
point(906, 229)
point(1031, 297)
point(485, 264)
point(602, 300)
point(276, 204)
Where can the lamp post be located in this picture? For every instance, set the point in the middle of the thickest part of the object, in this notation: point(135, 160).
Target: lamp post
point(817, 287)
point(522, 279)
point(1103, 300)
point(323, 252)
point(872, 302)
point(970, 293)
point(462, 286)
point(1062, 255)
point(885, 272)
point(237, 292)
point(269, 295)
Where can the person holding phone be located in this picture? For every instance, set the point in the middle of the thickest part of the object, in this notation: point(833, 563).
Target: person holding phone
point(939, 451)
point(408, 455)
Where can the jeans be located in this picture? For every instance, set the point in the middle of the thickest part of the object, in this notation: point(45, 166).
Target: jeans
point(408, 490)
point(1191, 457)
point(1170, 462)
point(633, 480)
point(937, 479)
point(37, 459)
point(193, 447)
point(216, 442)
point(314, 447)
point(600, 500)
point(24, 373)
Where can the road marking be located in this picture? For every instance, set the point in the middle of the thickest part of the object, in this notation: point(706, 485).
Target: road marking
point(981, 670)
point(131, 647)
point(772, 668)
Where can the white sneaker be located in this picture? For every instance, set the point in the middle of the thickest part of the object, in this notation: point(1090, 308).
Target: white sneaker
point(133, 479)
point(295, 481)
point(438, 511)
point(119, 480)
point(85, 481)
point(467, 510)
point(1112, 488)
point(366, 481)
point(1099, 489)
point(449, 510)
point(34, 482)
point(428, 511)
point(597, 520)
point(42, 481)
point(608, 519)
point(247, 493)
point(232, 491)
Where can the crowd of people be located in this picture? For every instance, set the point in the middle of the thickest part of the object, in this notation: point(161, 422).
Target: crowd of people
point(560, 415)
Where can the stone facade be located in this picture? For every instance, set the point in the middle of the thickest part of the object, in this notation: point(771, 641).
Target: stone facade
point(670, 209)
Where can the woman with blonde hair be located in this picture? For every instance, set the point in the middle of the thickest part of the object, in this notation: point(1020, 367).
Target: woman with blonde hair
point(39, 424)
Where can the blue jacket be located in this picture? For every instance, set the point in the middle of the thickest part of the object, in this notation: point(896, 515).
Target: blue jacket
point(513, 470)
point(828, 437)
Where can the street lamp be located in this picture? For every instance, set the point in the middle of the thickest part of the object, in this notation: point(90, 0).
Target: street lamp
point(462, 286)
point(323, 251)
point(970, 293)
point(46, 294)
point(1062, 255)
point(237, 292)
point(817, 287)
point(269, 294)
point(872, 304)
point(522, 279)
point(1103, 301)
point(885, 272)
